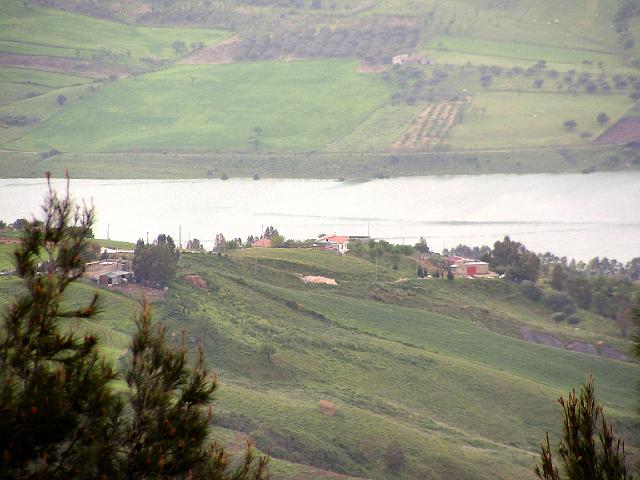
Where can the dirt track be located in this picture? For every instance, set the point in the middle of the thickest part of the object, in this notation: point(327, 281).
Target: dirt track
point(219, 53)
point(61, 64)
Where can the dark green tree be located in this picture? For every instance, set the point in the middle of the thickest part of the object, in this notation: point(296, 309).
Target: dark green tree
point(514, 261)
point(167, 435)
point(60, 416)
point(603, 118)
point(421, 247)
point(57, 410)
point(580, 290)
point(156, 263)
point(558, 278)
point(588, 449)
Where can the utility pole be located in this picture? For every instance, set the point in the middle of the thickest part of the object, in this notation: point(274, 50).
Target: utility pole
point(147, 238)
point(180, 236)
point(255, 265)
point(108, 238)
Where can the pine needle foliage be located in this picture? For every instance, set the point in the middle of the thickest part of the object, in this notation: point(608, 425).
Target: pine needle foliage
point(56, 404)
point(586, 452)
point(60, 416)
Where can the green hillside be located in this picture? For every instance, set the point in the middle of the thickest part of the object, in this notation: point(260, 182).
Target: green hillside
point(436, 365)
point(33, 30)
point(302, 88)
point(290, 106)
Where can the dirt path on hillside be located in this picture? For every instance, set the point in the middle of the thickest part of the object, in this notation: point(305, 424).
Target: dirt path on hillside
point(61, 64)
point(219, 53)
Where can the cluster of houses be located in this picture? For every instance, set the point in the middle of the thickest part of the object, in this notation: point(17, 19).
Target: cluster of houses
point(328, 243)
point(116, 268)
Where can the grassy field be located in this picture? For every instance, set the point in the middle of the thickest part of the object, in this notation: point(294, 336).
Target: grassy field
point(400, 362)
point(436, 365)
point(18, 83)
point(300, 105)
point(507, 119)
point(330, 165)
point(517, 53)
point(35, 30)
point(6, 256)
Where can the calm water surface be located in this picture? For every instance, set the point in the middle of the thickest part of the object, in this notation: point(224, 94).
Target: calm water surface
point(573, 215)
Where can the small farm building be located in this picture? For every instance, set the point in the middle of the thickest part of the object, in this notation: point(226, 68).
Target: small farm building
point(114, 278)
point(262, 243)
point(333, 243)
point(467, 267)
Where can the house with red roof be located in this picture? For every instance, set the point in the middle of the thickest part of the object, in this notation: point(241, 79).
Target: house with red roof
point(333, 243)
point(262, 243)
point(467, 267)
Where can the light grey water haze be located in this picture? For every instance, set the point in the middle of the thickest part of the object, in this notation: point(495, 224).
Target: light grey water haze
point(573, 215)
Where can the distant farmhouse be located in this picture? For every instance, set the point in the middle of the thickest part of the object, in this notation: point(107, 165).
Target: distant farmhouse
point(333, 243)
point(109, 272)
point(416, 59)
point(469, 267)
point(262, 243)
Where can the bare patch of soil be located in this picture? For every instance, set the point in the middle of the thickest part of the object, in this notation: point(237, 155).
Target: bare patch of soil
point(196, 281)
point(317, 279)
point(367, 68)
point(623, 131)
point(219, 53)
point(61, 64)
point(10, 240)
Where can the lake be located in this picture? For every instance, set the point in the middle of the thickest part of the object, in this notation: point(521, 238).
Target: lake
point(574, 215)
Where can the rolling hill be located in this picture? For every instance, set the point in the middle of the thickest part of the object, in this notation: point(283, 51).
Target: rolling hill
point(438, 366)
point(200, 86)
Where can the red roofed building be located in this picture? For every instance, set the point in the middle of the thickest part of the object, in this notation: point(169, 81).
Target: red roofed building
point(333, 243)
point(262, 243)
point(467, 267)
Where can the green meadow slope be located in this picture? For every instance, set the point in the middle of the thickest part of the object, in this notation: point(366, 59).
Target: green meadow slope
point(280, 106)
point(295, 88)
point(32, 30)
point(436, 365)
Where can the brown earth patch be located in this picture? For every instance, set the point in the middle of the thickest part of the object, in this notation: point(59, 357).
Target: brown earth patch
point(10, 240)
point(222, 52)
point(196, 281)
point(61, 64)
point(366, 68)
point(624, 130)
point(325, 407)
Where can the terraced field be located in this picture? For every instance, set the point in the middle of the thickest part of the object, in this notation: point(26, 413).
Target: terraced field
point(431, 128)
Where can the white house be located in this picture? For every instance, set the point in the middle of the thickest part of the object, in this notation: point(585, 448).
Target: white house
point(333, 243)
